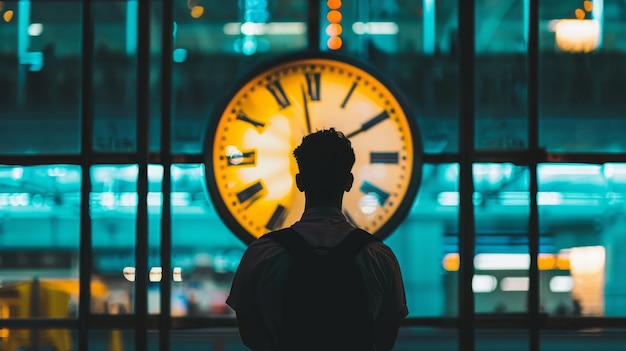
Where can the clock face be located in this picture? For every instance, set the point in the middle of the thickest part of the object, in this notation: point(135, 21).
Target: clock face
point(250, 167)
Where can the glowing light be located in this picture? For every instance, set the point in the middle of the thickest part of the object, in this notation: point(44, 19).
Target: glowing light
point(451, 262)
point(580, 14)
point(514, 284)
point(485, 261)
point(272, 28)
point(561, 284)
point(376, 28)
point(129, 273)
point(549, 198)
point(334, 43)
point(562, 260)
point(588, 259)
point(577, 35)
point(179, 55)
point(334, 29)
point(155, 274)
point(35, 29)
point(8, 16)
point(448, 198)
point(17, 173)
point(107, 200)
point(546, 262)
point(333, 4)
point(484, 283)
point(559, 170)
point(234, 155)
point(177, 274)
point(334, 16)
point(197, 11)
point(368, 204)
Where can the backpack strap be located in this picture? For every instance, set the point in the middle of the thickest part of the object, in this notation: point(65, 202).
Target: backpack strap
point(292, 241)
point(354, 242)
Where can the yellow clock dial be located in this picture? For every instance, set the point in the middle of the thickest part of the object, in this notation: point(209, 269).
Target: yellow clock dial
point(249, 161)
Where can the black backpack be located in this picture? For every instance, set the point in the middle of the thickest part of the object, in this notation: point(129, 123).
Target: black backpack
point(325, 302)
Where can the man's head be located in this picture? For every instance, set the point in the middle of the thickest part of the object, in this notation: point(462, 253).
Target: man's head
point(325, 159)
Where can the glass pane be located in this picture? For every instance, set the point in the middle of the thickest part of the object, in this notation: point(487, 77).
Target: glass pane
point(414, 44)
point(500, 94)
point(424, 338)
point(582, 76)
point(40, 77)
point(205, 253)
point(114, 339)
point(503, 339)
point(113, 213)
point(582, 214)
point(39, 227)
point(212, 48)
point(501, 209)
point(596, 339)
point(42, 339)
point(207, 339)
point(424, 240)
point(115, 75)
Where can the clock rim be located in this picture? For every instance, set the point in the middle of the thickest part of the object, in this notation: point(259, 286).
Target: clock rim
point(273, 61)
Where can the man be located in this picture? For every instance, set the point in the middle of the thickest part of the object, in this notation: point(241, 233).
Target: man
point(325, 159)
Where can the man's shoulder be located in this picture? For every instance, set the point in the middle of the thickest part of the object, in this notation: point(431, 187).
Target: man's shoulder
point(380, 251)
point(263, 248)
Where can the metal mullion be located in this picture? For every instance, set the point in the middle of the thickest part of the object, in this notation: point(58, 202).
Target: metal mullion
point(313, 24)
point(86, 233)
point(165, 320)
point(143, 140)
point(535, 156)
point(37, 160)
point(466, 25)
point(585, 157)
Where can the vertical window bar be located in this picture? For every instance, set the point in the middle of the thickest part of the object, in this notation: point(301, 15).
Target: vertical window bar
point(466, 187)
point(533, 150)
point(313, 26)
point(166, 159)
point(143, 124)
point(86, 147)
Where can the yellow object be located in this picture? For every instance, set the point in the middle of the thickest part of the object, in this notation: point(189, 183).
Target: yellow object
point(250, 167)
point(115, 341)
point(50, 299)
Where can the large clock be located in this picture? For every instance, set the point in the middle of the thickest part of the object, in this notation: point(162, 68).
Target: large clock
point(251, 136)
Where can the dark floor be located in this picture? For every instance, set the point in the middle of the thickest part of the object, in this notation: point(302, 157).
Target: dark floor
point(410, 339)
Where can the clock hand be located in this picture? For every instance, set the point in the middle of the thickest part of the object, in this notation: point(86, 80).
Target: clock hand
point(306, 111)
point(370, 123)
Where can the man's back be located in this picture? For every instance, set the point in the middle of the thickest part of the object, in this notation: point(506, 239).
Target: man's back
point(325, 300)
point(256, 294)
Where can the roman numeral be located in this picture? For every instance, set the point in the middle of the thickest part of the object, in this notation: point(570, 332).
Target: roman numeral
point(250, 194)
point(277, 219)
point(242, 117)
point(370, 189)
point(384, 157)
point(345, 100)
point(279, 94)
point(313, 85)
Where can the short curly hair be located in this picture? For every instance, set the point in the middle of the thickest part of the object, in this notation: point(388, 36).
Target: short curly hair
point(325, 159)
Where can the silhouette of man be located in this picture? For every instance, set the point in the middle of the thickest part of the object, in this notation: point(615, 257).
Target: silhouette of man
point(325, 159)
